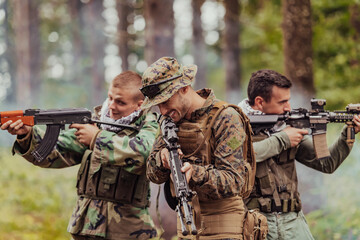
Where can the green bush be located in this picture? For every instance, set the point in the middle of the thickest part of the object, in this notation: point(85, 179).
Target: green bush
point(35, 203)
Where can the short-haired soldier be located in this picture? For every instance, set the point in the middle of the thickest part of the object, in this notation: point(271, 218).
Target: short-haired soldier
point(276, 186)
point(113, 191)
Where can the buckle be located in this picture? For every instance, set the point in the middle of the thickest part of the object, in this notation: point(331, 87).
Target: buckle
point(282, 188)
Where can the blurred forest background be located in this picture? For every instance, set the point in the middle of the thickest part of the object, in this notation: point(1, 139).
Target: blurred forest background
point(63, 53)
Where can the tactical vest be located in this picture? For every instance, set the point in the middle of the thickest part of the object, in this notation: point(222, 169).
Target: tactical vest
point(197, 142)
point(112, 183)
point(197, 139)
point(276, 183)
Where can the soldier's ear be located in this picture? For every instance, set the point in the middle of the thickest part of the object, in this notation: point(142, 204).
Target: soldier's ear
point(139, 104)
point(258, 103)
point(184, 90)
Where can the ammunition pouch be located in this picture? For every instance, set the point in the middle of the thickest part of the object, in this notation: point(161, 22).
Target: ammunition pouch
point(220, 219)
point(112, 183)
point(267, 205)
point(255, 225)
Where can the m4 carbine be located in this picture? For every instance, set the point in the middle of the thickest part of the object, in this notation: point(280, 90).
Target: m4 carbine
point(314, 120)
point(54, 119)
point(182, 191)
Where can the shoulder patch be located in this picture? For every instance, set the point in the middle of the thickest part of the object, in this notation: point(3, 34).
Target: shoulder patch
point(234, 143)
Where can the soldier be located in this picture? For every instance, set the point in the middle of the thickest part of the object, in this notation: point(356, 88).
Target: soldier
point(216, 169)
point(276, 186)
point(112, 186)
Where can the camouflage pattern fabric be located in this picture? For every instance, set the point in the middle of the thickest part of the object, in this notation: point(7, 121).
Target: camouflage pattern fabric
point(224, 177)
point(128, 149)
point(162, 69)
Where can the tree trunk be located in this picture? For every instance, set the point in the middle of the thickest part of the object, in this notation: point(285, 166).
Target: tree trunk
point(231, 51)
point(159, 31)
point(97, 43)
point(298, 54)
point(297, 35)
point(198, 45)
point(27, 44)
point(159, 38)
point(124, 9)
point(355, 18)
point(355, 23)
point(9, 54)
point(75, 8)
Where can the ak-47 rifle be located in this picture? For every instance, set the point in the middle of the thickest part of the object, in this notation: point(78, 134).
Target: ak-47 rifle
point(314, 120)
point(54, 119)
point(182, 191)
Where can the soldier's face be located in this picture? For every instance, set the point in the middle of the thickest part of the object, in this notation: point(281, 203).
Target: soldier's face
point(175, 107)
point(121, 102)
point(279, 102)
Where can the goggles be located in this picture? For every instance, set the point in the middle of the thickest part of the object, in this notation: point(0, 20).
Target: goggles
point(154, 89)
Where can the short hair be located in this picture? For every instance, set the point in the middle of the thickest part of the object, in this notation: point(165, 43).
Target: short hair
point(262, 82)
point(130, 80)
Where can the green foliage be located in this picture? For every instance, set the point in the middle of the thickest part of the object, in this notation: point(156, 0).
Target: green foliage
point(336, 53)
point(339, 218)
point(68, 95)
point(260, 42)
point(35, 203)
point(261, 39)
point(215, 75)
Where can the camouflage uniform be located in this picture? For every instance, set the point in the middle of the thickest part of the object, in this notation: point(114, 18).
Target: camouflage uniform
point(274, 155)
point(221, 176)
point(127, 149)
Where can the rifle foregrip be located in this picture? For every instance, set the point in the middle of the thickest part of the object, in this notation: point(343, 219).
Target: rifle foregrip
point(350, 134)
point(48, 142)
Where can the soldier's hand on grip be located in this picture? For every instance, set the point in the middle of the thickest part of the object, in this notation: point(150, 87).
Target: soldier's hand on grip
point(295, 135)
point(356, 120)
point(85, 132)
point(164, 155)
point(187, 169)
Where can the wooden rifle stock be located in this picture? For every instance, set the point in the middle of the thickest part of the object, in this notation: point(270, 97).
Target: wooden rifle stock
point(55, 120)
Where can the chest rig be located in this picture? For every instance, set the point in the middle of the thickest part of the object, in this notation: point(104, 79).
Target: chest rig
point(105, 181)
point(276, 183)
point(197, 142)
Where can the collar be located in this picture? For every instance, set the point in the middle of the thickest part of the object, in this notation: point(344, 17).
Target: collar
point(209, 95)
point(247, 109)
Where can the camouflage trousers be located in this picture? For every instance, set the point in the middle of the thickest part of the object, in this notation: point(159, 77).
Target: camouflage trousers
point(83, 237)
point(218, 239)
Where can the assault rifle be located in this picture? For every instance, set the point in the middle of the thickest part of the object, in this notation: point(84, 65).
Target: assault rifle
point(54, 119)
point(182, 191)
point(314, 120)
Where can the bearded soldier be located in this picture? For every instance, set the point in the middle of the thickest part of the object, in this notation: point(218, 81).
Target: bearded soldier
point(214, 143)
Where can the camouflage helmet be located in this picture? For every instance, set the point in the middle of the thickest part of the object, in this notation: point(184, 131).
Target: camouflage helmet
point(162, 79)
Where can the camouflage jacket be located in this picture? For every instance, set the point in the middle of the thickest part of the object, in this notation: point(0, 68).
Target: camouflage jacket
point(276, 168)
point(128, 149)
point(222, 178)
